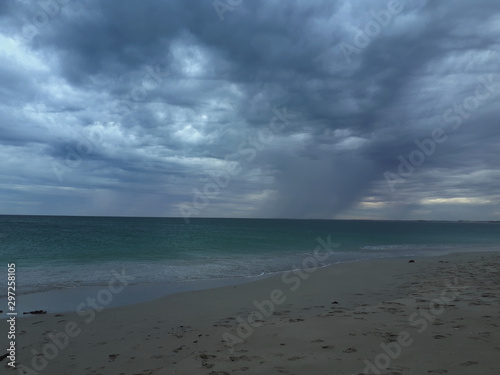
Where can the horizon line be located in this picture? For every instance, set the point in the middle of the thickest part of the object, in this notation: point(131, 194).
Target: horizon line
point(250, 218)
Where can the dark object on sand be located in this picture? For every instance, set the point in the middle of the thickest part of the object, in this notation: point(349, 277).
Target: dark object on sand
point(2, 357)
point(335, 303)
point(411, 261)
point(36, 312)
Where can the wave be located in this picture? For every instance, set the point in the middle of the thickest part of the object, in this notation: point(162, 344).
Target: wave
point(31, 279)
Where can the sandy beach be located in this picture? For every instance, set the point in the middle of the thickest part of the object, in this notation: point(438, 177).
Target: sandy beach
point(233, 187)
point(435, 315)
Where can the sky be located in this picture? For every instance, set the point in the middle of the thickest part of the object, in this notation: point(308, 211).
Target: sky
point(333, 109)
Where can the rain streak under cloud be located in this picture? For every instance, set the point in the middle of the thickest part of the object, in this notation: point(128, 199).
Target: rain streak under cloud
point(296, 109)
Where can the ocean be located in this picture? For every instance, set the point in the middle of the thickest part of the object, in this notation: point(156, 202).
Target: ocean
point(55, 253)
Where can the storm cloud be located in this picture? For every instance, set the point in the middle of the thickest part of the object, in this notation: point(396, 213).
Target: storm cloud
point(380, 109)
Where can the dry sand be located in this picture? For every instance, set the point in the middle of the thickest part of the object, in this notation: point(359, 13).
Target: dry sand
point(438, 315)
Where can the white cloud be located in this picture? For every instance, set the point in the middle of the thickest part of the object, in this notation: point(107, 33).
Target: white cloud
point(458, 200)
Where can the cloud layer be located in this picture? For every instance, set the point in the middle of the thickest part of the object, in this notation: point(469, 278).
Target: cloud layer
point(300, 109)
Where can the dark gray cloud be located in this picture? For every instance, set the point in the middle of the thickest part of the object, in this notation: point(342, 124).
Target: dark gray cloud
point(168, 108)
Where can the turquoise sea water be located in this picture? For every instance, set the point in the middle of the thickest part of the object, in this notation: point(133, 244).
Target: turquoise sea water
point(65, 252)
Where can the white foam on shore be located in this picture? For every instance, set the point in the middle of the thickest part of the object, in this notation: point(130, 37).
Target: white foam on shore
point(59, 277)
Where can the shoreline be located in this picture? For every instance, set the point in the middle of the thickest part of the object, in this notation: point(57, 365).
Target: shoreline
point(67, 299)
point(227, 330)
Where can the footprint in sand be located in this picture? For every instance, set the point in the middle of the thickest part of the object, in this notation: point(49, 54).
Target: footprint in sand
point(240, 358)
point(469, 363)
point(328, 347)
point(350, 350)
point(282, 370)
point(281, 312)
point(206, 356)
point(317, 340)
point(437, 372)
